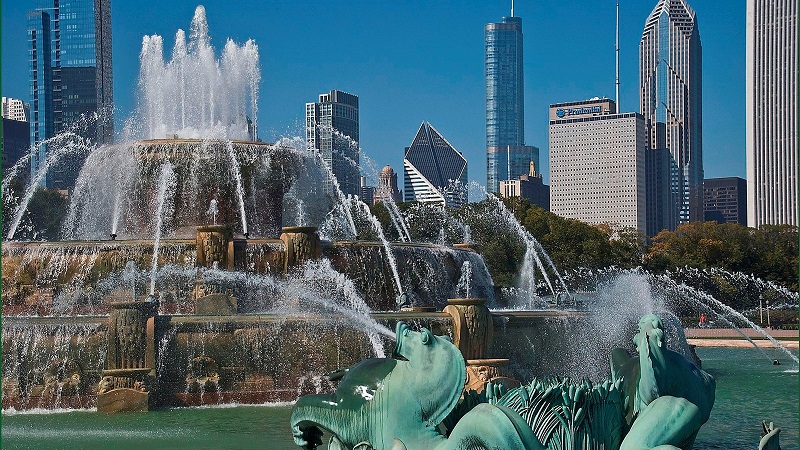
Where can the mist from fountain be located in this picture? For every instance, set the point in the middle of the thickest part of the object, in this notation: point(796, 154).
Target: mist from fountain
point(195, 95)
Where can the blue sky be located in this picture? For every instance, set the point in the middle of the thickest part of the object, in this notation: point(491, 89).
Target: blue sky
point(414, 61)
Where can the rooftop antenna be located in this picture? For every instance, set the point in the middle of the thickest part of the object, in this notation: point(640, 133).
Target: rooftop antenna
point(617, 65)
point(512, 8)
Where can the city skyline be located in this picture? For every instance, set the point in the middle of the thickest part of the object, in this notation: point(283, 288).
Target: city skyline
point(436, 70)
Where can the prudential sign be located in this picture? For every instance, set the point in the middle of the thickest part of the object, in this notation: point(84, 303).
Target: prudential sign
point(563, 112)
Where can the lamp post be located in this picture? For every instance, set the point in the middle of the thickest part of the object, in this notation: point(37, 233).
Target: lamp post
point(761, 308)
point(769, 325)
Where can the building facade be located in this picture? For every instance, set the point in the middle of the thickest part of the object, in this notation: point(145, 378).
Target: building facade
point(725, 200)
point(528, 186)
point(505, 103)
point(15, 143)
point(15, 109)
point(435, 172)
point(771, 108)
point(332, 130)
point(670, 84)
point(387, 187)
point(71, 82)
point(597, 164)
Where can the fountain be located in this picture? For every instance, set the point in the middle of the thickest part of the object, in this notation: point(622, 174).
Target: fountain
point(230, 276)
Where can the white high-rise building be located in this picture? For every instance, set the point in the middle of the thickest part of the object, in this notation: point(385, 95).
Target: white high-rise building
point(597, 164)
point(771, 102)
point(14, 109)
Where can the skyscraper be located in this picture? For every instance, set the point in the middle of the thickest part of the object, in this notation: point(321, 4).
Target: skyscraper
point(332, 129)
point(771, 102)
point(16, 132)
point(725, 200)
point(71, 76)
point(435, 171)
point(15, 109)
point(505, 104)
point(597, 164)
point(670, 84)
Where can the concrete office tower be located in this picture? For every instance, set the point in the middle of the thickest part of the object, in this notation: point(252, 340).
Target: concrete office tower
point(15, 109)
point(597, 164)
point(507, 157)
point(771, 102)
point(71, 80)
point(332, 129)
point(435, 171)
point(16, 140)
point(670, 86)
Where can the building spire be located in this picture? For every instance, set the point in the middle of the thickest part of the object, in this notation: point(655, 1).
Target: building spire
point(616, 47)
point(512, 8)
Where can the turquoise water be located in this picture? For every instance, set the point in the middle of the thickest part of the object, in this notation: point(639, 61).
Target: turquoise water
point(749, 389)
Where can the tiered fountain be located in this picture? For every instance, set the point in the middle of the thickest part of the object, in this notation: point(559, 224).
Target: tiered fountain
point(180, 283)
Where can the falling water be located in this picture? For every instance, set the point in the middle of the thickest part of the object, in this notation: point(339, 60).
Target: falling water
point(465, 279)
point(397, 219)
point(212, 210)
point(532, 249)
point(166, 183)
point(707, 300)
point(55, 153)
point(376, 225)
point(239, 191)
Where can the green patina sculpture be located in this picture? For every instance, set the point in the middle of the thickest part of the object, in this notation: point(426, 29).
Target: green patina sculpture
point(398, 404)
point(667, 397)
point(770, 437)
point(656, 400)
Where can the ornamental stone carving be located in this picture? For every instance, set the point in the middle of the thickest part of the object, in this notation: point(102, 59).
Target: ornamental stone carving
point(302, 244)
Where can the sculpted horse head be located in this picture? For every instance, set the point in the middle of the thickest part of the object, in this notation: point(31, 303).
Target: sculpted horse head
point(380, 399)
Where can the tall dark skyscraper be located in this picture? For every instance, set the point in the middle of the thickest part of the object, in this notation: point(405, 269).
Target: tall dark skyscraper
point(670, 87)
point(505, 104)
point(69, 43)
point(332, 129)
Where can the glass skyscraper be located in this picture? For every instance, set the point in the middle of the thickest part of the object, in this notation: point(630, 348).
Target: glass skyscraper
point(332, 129)
point(71, 76)
point(435, 171)
point(505, 104)
point(670, 82)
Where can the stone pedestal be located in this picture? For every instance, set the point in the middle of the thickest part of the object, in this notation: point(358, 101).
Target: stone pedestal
point(472, 326)
point(214, 246)
point(131, 358)
point(473, 330)
point(302, 244)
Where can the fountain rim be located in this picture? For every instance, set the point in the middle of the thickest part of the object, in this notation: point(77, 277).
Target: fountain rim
point(299, 229)
point(200, 141)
